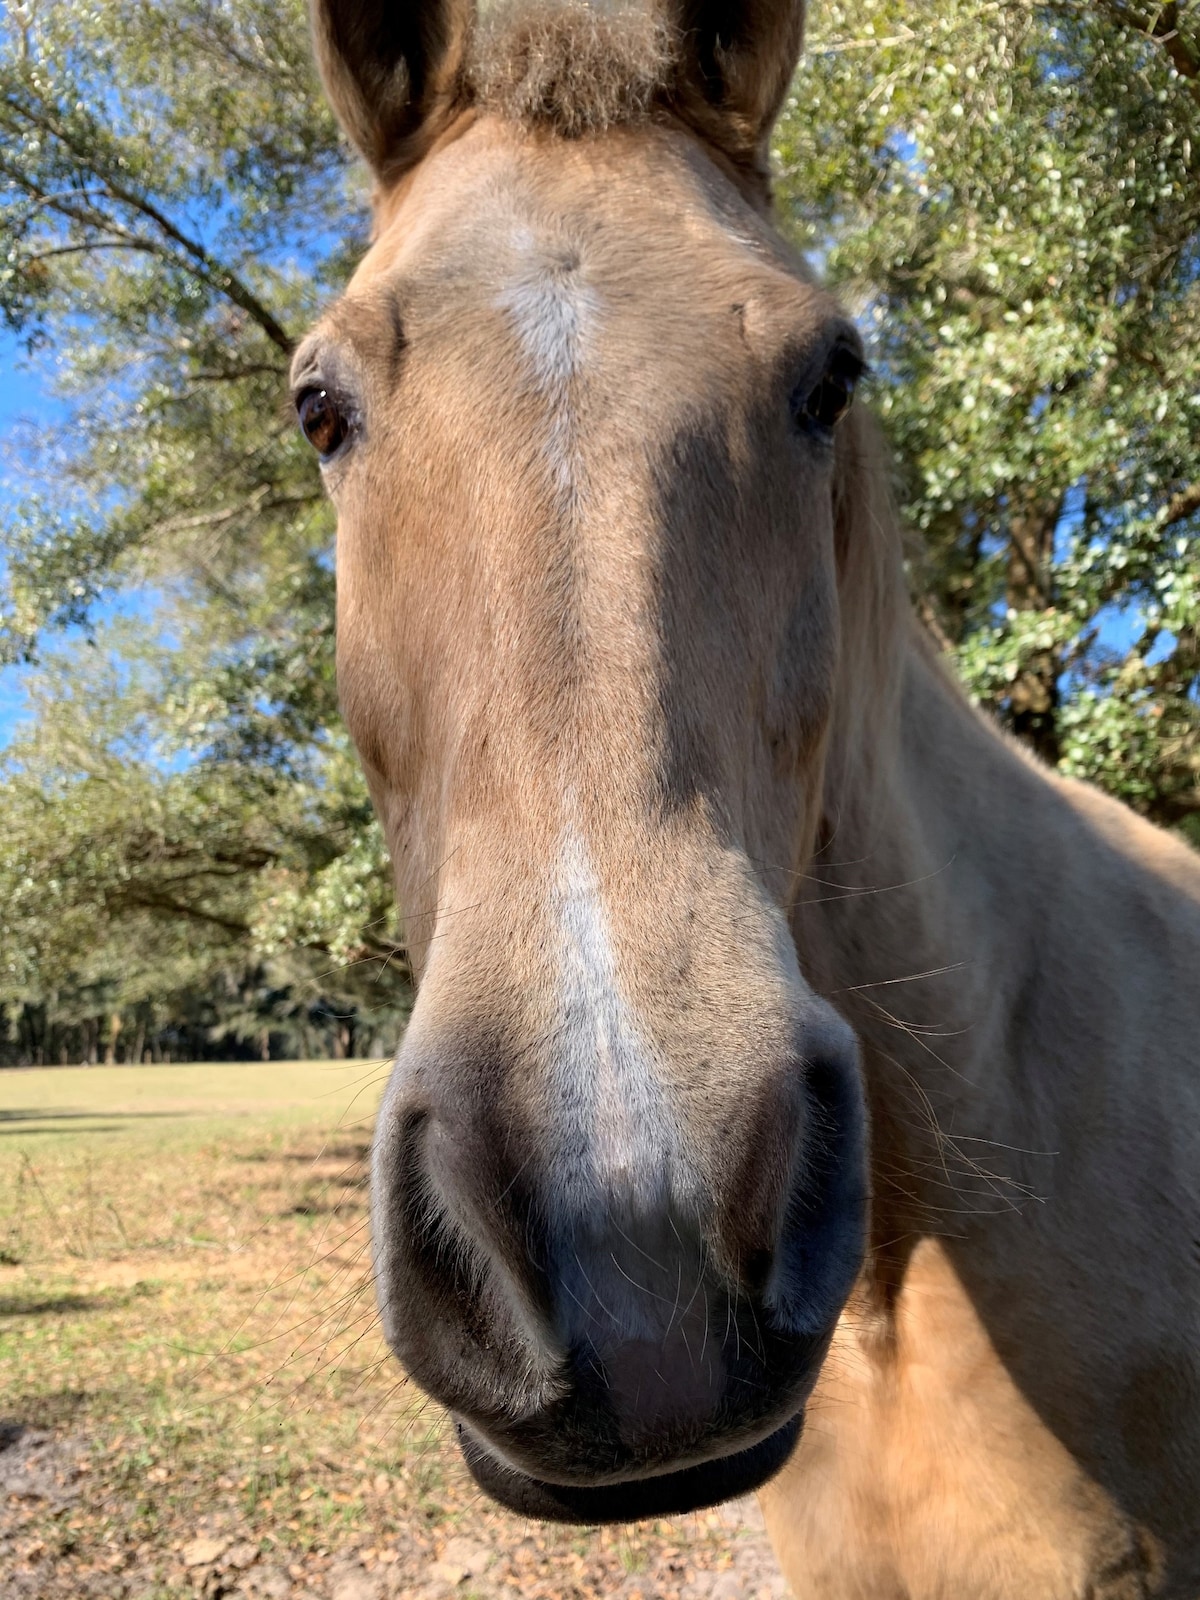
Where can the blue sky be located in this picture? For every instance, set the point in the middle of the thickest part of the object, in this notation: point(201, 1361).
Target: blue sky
point(12, 702)
point(27, 401)
point(23, 397)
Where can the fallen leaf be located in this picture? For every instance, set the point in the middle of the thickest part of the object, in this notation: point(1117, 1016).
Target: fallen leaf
point(203, 1552)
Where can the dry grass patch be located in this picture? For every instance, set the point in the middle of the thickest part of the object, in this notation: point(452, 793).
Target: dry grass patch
point(196, 1396)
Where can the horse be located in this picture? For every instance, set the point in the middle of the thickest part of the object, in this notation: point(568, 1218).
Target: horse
point(801, 1092)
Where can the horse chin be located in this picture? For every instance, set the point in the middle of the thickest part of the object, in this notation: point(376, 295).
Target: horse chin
point(664, 1494)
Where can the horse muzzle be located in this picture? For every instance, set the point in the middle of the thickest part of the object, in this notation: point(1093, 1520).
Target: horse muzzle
point(627, 1349)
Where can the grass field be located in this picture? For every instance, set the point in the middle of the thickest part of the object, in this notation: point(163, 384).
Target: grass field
point(194, 1394)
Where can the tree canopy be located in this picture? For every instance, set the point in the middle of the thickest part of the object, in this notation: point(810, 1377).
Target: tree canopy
point(190, 859)
point(1007, 196)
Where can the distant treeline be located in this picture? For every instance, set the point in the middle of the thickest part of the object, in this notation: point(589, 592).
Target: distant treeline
point(31, 1035)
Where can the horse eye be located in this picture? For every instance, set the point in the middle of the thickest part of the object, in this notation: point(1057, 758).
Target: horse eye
point(819, 410)
point(325, 427)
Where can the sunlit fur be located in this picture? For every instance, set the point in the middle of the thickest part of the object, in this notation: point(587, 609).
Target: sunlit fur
point(636, 691)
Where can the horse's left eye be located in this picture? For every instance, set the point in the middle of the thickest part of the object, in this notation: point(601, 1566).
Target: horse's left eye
point(820, 409)
point(324, 424)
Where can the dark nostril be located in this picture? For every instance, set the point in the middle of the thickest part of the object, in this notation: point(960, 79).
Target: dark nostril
point(417, 1209)
point(823, 1236)
point(834, 1141)
point(459, 1261)
point(413, 1229)
point(756, 1272)
point(488, 1194)
point(754, 1191)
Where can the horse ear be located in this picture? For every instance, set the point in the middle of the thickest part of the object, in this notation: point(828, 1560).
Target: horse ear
point(393, 72)
point(739, 57)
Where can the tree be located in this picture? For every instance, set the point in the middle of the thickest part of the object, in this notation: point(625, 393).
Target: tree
point(188, 840)
point(1009, 195)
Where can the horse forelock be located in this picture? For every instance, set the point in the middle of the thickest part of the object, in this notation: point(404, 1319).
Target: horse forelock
point(572, 66)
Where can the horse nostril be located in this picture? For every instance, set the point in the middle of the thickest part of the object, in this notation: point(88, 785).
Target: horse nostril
point(460, 1290)
point(414, 1244)
point(824, 1222)
point(789, 1228)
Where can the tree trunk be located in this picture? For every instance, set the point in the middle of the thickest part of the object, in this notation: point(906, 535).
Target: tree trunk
point(1033, 700)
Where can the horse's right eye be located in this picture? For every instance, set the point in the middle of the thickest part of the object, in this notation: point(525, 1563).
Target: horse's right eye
point(819, 409)
point(323, 422)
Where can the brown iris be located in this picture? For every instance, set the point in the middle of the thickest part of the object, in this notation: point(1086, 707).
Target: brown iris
point(325, 426)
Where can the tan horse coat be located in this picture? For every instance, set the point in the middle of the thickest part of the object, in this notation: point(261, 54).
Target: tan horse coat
point(1011, 1406)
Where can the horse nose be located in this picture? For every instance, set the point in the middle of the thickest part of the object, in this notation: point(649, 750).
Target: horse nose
point(632, 1320)
point(683, 1312)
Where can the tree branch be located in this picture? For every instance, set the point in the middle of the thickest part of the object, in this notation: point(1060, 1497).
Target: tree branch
point(1166, 31)
point(1160, 23)
point(142, 245)
point(213, 272)
point(176, 908)
point(252, 369)
point(202, 264)
point(1182, 505)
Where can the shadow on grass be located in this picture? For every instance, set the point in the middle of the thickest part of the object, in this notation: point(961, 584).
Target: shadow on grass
point(18, 1305)
point(61, 1305)
point(13, 1123)
point(52, 1411)
point(359, 1151)
point(326, 1208)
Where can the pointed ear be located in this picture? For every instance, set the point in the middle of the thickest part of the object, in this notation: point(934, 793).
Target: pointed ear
point(393, 72)
point(738, 59)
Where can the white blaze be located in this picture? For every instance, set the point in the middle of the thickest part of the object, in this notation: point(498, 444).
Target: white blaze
point(552, 316)
point(552, 313)
point(617, 1139)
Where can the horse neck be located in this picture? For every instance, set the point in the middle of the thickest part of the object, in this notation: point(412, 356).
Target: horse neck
point(924, 915)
